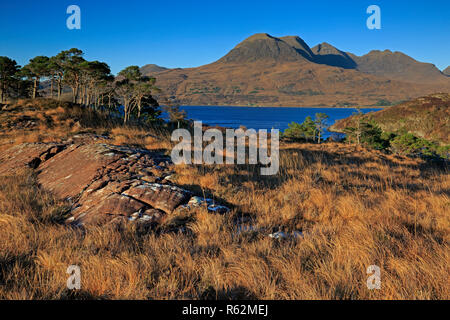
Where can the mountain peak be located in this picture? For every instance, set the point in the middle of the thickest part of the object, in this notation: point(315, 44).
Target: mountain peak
point(325, 53)
point(398, 66)
point(382, 52)
point(150, 69)
point(447, 71)
point(259, 36)
point(262, 46)
point(325, 48)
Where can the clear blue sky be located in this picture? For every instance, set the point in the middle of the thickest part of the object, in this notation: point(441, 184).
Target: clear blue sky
point(191, 33)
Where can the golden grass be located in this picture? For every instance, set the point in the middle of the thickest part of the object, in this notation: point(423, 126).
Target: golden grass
point(46, 120)
point(354, 214)
point(356, 208)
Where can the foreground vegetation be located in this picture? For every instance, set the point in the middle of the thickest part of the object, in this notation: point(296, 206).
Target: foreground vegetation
point(427, 118)
point(368, 133)
point(355, 206)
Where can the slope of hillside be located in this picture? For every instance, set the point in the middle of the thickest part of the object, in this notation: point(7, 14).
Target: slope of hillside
point(427, 117)
point(151, 69)
point(398, 66)
point(447, 71)
point(298, 44)
point(331, 56)
point(388, 64)
point(268, 71)
point(262, 47)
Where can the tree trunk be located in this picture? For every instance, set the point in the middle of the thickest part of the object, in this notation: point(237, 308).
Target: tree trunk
point(34, 88)
point(358, 133)
point(51, 87)
point(125, 111)
point(73, 95)
point(75, 90)
point(59, 88)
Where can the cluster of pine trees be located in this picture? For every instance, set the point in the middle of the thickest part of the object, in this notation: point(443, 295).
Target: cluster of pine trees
point(91, 83)
point(310, 130)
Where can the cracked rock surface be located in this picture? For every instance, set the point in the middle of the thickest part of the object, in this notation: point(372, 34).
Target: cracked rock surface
point(103, 183)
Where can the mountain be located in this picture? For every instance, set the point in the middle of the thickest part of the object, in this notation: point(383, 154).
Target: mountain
point(388, 64)
point(264, 47)
point(300, 46)
point(269, 71)
point(151, 69)
point(427, 117)
point(447, 71)
point(397, 66)
point(325, 53)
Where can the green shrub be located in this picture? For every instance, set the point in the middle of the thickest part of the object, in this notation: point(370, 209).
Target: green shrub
point(409, 144)
point(301, 132)
point(369, 134)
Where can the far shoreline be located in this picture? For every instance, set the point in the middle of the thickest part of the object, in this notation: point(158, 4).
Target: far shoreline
point(313, 107)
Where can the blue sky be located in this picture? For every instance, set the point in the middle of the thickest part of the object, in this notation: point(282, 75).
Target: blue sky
point(192, 33)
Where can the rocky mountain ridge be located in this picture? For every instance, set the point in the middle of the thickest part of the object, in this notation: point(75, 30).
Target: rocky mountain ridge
point(269, 71)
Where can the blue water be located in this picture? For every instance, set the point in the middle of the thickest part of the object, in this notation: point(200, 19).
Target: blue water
point(263, 118)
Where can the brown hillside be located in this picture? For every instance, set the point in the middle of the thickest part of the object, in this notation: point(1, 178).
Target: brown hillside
point(427, 117)
point(151, 69)
point(268, 71)
point(398, 66)
point(298, 44)
point(447, 71)
point(329, 55)
point(269, 83)
point(262, 47)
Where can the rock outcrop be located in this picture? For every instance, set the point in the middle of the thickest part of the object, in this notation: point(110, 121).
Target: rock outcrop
point(105, 183)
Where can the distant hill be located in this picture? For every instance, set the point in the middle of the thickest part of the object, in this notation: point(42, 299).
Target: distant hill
point(329, 55)
point(447, 71)
point(151, 69)
point(388, 64)
point(397, 66)
point(427, 117)
point(269, 71)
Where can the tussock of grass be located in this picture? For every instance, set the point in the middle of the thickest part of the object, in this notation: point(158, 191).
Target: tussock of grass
point(47, 120)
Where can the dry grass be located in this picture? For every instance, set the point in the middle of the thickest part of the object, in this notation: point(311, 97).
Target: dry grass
point(391, 213)
point(46, 120)
point(356, 208)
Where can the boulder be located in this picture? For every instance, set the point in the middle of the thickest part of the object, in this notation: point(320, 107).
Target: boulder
point(104, 183)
